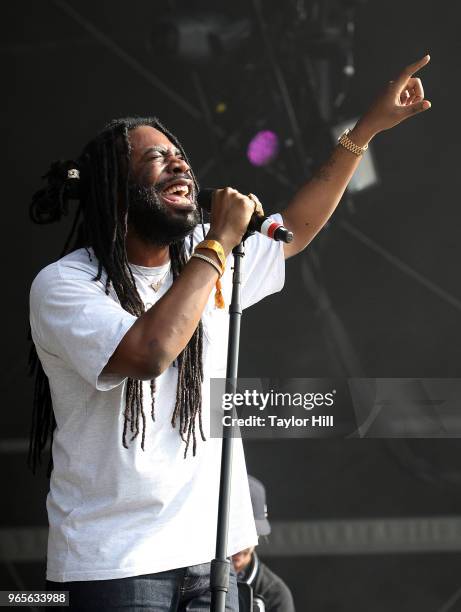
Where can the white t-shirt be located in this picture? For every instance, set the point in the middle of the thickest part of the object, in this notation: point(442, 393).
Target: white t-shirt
point(115, 512)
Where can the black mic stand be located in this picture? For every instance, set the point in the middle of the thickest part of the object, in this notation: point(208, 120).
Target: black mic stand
point(219, 574)
point(220, 566)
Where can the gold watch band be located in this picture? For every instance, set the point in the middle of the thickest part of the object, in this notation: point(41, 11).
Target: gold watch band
point(348, 144)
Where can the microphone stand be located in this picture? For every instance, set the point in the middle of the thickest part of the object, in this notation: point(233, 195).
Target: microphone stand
point(220, 566)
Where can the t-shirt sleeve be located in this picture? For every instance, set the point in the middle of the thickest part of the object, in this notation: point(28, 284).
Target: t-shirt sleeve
point(74, 319)
point(263, 267)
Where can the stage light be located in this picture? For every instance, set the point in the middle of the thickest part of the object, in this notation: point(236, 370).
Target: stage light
point(197, 38)
point(263, 148)
point(220, 108)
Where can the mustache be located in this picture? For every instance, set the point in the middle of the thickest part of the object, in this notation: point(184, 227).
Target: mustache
point(160, 186)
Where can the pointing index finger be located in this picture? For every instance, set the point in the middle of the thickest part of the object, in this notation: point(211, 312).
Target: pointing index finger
point(412, 69)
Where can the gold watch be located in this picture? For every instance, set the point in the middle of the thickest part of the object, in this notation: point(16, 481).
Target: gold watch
point(347, 143)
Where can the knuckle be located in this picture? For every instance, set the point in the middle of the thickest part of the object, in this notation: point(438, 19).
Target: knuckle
point(239, 198)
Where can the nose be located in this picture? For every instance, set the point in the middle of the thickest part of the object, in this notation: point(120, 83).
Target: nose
point(178, 165)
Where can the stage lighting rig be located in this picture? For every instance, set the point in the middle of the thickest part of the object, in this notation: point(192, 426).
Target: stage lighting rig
point(198, 38)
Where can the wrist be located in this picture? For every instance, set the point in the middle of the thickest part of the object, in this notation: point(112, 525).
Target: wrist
point(210, 253)
point(224, 242)
point(362, 133)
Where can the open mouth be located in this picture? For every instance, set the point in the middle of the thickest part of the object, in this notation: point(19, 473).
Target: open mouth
point(178, 194)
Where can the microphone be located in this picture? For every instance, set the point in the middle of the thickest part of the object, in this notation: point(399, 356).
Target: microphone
point(258, 223)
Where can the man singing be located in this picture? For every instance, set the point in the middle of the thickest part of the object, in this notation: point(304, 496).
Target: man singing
point(128, 328)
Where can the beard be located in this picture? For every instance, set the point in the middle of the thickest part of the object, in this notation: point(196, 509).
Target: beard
point(154, 221)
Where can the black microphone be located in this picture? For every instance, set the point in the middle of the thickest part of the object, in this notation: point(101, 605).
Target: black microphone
point(258, 223)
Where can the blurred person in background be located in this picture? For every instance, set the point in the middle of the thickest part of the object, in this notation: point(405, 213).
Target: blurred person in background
point(270, 593)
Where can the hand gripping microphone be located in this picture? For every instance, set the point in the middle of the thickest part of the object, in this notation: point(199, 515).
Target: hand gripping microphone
point(258, 223)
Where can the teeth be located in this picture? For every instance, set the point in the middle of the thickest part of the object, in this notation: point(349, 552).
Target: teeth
point(183, 189)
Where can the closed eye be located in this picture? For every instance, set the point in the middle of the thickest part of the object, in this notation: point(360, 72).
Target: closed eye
point(164, 156)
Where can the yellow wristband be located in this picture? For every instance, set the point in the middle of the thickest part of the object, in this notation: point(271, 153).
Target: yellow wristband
point(218, 297)
point(215, 246)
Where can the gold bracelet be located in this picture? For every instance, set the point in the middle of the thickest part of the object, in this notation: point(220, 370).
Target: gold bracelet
point(215, 246)
point(347, 143)
point(210, 261)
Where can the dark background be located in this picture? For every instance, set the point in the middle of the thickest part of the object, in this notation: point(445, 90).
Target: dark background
point(62, 80)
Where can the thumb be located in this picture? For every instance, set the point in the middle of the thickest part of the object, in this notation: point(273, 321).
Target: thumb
point(418, 107)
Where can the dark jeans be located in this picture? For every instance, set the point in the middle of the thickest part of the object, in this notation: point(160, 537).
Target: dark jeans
point(178, 590)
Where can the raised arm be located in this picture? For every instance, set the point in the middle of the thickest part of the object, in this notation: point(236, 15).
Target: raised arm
point(315, 202)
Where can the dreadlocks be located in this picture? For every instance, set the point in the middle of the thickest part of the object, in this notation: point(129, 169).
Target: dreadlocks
point(101, 222)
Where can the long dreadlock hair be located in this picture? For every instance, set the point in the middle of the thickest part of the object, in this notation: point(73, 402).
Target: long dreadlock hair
point(100, 222)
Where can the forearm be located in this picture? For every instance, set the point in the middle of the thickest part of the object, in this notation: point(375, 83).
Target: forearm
point(161, 333)
point(316, 201)
point(164, 330)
